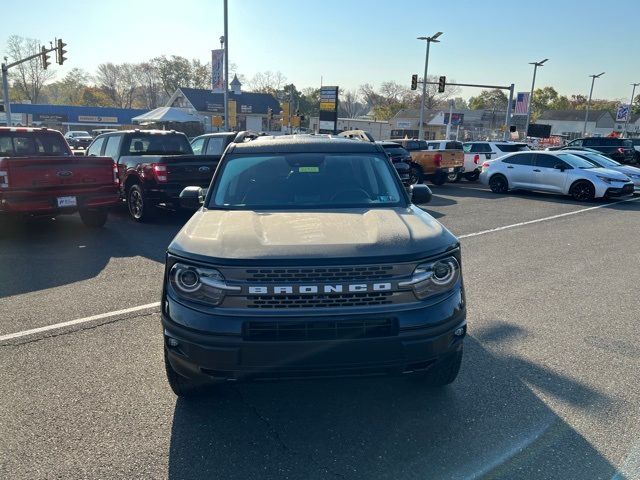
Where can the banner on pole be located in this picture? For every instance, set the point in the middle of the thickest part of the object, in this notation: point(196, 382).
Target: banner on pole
point(622, 115)
point(217, 71)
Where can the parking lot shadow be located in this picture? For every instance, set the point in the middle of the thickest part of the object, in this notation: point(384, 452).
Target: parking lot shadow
point(488, 423)
point(46, 253)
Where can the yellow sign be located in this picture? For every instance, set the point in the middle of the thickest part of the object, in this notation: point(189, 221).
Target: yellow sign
point(232, 114)
point(295, 121)
point(285, 113)
point(216, 121)
point(328, 106)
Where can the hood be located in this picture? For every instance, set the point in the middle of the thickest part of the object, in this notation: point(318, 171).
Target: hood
point(609, 173)
point(627, 170)
point(241, 234)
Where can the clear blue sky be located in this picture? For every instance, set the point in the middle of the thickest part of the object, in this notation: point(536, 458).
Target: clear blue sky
point(353, 42)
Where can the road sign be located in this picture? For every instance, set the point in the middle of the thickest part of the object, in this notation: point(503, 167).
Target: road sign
point(216, 121)
point(232, 113)
point(328, 110)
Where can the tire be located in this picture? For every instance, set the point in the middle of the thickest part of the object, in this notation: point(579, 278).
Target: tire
point(415, 175)
point(582, 191)
point(499, 184)
point(140, 209)
point(439, 179)
point(473, 176)
point(444, 372)
point(181, 386)
point(94, 218)
point(454, 177)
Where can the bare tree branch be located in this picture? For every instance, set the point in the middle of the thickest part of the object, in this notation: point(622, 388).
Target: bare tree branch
point(28, 77)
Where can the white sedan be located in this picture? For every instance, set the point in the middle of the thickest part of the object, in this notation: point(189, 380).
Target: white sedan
point(556, 172)
point(603, 161)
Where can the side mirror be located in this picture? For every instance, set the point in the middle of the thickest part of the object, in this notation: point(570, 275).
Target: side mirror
point(560, 167)
point(191, 198)
point(420, 194)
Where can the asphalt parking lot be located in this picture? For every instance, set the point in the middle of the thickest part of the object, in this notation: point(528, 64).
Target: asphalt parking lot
point(548, 386)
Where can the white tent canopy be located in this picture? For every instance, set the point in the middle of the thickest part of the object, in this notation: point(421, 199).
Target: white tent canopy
point(166, 114)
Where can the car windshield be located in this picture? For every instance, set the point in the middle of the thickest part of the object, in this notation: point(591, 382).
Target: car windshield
point(600, 160)
point(512, 147)
point(81, 134)
point(159, 144)
point(307, 181)
point(575, 161)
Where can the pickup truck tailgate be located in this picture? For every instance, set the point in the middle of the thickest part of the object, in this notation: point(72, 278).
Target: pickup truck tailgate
point(42, 172)
point(452, 158)
point(188, 170)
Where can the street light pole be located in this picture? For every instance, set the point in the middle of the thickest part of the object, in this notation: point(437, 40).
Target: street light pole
point(433, 38)
point(226, 69)
point(586, 115)
point(533, 84)
point(5, 92)
point(626, 123)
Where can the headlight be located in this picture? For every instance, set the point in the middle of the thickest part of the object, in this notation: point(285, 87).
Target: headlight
point(198, 284)
point(433, 278)
point(609, 180)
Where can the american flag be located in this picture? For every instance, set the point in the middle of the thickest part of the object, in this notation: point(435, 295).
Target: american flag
point(522, 103)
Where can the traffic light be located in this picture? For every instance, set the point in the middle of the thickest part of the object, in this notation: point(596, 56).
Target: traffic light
point(270, 113)
point(302, 118)
point(60, 51)
point(45, 57)
point(442, 81)
point(414, 81)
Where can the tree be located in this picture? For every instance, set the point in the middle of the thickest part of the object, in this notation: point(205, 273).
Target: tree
point(310, 102)
point(460, 103)
point(350, 105)
point(95, 97)
point(150, 92)
point(69, 90)
point(177, 71)
point(119, 83)
point(489, 100)
point(28, 77)
point(635, 106)
point(267, 82)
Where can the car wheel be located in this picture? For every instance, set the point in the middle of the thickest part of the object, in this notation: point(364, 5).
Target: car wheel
point(444, 371)
point(94, 218)
point(140, 209)
point(454, 177)
point(473, 176)
point(415, 175)
point(439, 179)
point(498, 184)
point(583, 191)
point(181, 386)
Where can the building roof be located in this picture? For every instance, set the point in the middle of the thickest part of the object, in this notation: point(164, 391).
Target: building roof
point(305, 144)
point(235, 81)
point(72, 113)
point(573, 115)
point(246, 102)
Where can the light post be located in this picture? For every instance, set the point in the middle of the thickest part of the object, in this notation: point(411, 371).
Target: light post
point(626, 123)
point(433, 38)
point(586, 115)
point(533, 84)
point(226, 69)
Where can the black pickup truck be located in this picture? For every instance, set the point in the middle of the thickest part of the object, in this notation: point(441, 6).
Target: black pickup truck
point(153, 167)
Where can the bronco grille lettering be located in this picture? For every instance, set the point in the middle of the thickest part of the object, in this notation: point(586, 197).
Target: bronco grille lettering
point(316, 289)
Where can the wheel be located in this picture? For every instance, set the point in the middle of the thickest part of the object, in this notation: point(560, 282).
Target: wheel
point(140, 209)
point(498, 184)
point(444, 372)
point(439, 179)
point(181, 386)
point(453, 177)
point(415, 175)
point(94, 218)
point(473, 176)
point(583, 191)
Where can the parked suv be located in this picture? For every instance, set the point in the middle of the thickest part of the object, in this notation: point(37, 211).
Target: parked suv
point(619, 149)
point(308, 258)
point(476, 153)
point(78, 138)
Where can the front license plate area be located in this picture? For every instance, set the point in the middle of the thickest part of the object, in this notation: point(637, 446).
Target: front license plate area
point(67, 202)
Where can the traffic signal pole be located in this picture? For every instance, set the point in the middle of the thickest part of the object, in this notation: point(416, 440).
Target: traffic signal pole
point(5, 93)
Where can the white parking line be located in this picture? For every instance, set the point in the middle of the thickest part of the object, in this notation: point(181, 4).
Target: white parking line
point(77, 321)
point(101, 316)
point(552, 217)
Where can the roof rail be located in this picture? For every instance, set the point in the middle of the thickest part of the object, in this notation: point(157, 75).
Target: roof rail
point(244, 136)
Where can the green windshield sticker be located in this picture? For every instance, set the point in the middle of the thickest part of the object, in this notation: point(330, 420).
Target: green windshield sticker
point(308, 169)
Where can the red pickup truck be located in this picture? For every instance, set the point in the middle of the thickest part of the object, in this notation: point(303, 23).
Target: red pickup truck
point(39, 176)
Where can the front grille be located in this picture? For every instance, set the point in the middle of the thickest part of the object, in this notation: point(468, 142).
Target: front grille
point(316, 301)
point(325, 274)
point(319, 330)
point(627, 189)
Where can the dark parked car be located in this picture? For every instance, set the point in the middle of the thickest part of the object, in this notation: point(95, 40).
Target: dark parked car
point(619, 149)
point(78, 139)
point(399, 155)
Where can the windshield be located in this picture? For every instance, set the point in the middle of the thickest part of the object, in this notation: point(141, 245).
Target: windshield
point(396, 151)
point(80, 134)
point(512, 147)
point(306, 180)
point(159, 144)
point(575, 161)
point(600, 160)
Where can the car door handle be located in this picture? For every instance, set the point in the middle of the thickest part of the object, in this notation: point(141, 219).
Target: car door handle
point(536, 170)
point(510, 166)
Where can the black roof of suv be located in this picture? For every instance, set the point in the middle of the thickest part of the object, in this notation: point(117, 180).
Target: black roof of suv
point(303, 144)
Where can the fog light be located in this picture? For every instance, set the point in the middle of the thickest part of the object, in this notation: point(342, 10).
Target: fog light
point(459, 331)
point(172, 342)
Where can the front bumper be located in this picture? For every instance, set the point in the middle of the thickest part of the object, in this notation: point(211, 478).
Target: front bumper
point(424, 335)
point(627, 189)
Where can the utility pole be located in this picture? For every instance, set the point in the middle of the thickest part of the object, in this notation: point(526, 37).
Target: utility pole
point(5, 91)
point(586, 115)
point(433, 38)
point(450, 120)
point(507, 119)
point(626, 123)
point(533, 85)
point(226, 69)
